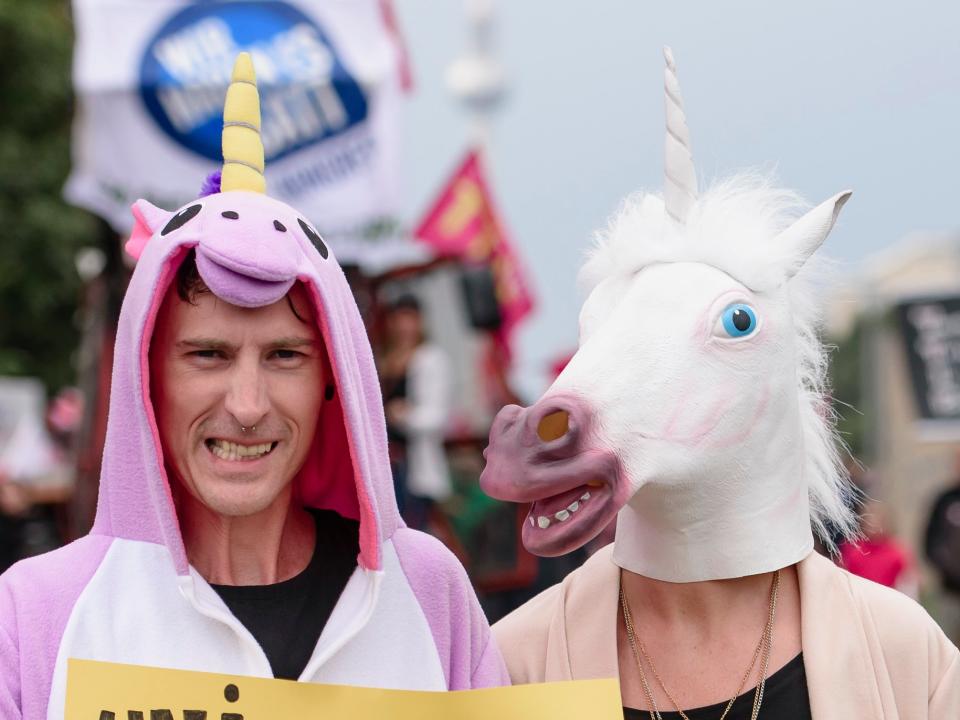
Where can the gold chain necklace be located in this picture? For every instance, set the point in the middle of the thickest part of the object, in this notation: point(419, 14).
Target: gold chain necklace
point(765, 645)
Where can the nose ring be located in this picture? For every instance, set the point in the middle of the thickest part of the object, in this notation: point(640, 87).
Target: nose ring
point(244, 429)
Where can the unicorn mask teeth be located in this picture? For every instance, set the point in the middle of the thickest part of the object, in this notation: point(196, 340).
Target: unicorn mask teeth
point(696, 422)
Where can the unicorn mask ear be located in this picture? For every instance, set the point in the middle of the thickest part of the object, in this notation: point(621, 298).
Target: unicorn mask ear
point(147, 219)
point(799, 241)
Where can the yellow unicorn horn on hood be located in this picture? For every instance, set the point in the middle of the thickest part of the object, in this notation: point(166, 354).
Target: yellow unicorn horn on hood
point(242, 147)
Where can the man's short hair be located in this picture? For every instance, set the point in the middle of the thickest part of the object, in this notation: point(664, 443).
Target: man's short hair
point(190, 284)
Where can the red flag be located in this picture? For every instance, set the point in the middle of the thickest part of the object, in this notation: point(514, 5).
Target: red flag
point(463, 224)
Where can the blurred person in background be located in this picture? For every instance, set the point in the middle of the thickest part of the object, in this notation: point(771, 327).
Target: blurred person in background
point(415, 380)
point(36, 473)
point(942, 548)
point(879, 555)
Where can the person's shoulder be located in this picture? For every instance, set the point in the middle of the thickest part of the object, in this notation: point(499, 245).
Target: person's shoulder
point(528, 625)
point(40, 589)
point(77, 560)
point(429, 565)
point(440, 584)
point(524, 634)
point(901, 626)
point(910, 639)
point(894, 613)
point(535, 611)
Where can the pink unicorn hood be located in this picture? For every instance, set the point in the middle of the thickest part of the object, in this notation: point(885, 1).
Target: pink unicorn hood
point(250, 250)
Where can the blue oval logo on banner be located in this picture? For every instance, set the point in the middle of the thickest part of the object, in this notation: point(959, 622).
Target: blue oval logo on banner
point(306, 93)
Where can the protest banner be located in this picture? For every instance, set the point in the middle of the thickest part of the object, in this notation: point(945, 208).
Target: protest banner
point(151, 77)
point(109, 691)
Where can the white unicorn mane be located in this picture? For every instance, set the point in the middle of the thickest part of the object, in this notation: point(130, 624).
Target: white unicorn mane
point(732, 227)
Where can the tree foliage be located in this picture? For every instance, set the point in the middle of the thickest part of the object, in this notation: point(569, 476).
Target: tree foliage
point(39, 233)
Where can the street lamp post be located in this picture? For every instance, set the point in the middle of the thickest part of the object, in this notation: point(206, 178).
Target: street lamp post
point(476, 78)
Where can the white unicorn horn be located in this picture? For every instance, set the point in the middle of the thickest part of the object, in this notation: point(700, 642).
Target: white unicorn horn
point(680, 186)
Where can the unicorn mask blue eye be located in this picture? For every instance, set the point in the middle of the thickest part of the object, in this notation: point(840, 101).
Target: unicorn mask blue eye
point(737, 321)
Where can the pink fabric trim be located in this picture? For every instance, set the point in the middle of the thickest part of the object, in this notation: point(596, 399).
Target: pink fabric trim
point(170, 267)
point(369, 522)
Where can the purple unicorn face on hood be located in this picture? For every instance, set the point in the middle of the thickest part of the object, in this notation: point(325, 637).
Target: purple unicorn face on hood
point(250, 251)
point(248, 245)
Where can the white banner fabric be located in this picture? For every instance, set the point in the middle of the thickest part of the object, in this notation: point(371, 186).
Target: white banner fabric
point(150, 78)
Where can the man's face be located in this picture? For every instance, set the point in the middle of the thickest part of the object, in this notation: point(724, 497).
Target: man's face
point(217, 368)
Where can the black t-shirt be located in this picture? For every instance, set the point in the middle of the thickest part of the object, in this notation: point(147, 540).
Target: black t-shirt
point(286, 618)
point(784, 698)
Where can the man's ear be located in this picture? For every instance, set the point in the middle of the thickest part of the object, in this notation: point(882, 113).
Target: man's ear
point(799, 241)
point(147, 220)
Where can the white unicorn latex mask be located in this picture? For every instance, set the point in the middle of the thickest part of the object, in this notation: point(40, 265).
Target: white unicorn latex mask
point(694, 406)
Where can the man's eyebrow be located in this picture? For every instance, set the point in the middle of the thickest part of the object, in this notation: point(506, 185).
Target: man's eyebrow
point(214, 344)
point(290, 342)
point(204, 344)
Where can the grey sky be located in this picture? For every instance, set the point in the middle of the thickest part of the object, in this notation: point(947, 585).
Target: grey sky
point(829, 94)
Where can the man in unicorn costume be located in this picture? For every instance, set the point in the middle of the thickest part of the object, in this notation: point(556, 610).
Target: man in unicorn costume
point(694, 413)
point(246, 520)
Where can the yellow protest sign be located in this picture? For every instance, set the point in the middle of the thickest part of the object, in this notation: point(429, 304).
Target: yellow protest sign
point(108, 691)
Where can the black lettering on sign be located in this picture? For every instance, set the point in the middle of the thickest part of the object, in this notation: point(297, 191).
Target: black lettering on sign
point(232, 693)
point(194, 715)
point(161, 715)
point(107, 715)
point(134, 715)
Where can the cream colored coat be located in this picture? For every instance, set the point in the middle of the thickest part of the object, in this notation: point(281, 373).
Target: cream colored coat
point(869, 652)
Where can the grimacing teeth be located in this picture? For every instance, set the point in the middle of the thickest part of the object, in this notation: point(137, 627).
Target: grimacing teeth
point(543, 522)
point(226, 450)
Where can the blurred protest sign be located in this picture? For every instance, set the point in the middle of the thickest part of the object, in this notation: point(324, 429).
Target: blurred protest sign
point(930, 329)
point(150, 79)
point(107, 691)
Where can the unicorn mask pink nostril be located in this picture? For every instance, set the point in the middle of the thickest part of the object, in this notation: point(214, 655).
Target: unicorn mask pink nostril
point(545, 455)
